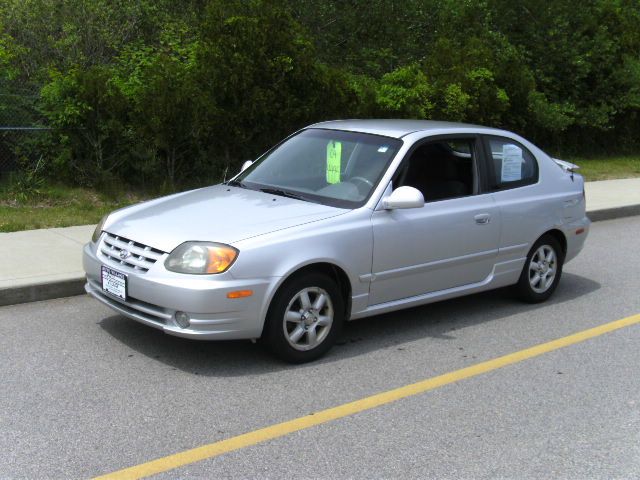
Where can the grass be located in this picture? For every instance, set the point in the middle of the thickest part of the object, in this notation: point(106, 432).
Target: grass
point(58, 206)
point(55, 205)
point(607, 168)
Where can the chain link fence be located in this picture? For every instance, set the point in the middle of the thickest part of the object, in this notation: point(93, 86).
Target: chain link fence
point(21, 126)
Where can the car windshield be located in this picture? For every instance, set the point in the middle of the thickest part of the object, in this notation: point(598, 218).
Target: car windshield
point(332, 167)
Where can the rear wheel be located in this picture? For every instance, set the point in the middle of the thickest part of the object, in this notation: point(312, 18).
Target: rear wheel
point(304, 318)
point(542, 270)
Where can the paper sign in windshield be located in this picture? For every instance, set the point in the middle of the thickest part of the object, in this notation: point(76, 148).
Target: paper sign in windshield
point(334, 156)
point(511, 163)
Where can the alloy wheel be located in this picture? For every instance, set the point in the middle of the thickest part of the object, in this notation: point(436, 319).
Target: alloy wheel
point(542, 269)
point(308, 318)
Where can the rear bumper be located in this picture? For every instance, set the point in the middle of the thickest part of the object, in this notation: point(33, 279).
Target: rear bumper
point(576, 233)
point(154, 297)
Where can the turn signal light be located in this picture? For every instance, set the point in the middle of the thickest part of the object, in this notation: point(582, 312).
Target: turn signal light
point(240, 294)
point(220, 258)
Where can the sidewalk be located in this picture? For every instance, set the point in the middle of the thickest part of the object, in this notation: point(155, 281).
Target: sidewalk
point(609, 199)
point(43, 264)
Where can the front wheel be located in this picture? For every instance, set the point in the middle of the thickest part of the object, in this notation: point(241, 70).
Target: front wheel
point(542, 271)
point(304, 318)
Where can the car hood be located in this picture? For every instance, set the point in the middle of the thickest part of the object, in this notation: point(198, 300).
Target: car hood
point(218, 214)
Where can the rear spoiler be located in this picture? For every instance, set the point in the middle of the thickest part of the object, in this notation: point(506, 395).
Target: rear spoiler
point(566, 166)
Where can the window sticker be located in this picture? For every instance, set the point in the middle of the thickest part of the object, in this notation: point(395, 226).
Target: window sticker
point(383, 149)
point(511, 163)
point(334, 156)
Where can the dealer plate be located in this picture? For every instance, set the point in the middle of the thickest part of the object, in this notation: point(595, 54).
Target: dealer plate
point(114, 282)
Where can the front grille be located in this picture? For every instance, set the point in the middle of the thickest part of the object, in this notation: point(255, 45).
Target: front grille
point(140, 258)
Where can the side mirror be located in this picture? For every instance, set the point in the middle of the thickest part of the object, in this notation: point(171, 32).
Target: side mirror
point(246, 165)
point(404, 197)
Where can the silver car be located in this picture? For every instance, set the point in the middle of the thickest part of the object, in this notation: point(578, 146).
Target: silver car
point(343, 220)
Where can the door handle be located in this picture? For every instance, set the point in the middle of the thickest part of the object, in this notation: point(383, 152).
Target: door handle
point(482, 218)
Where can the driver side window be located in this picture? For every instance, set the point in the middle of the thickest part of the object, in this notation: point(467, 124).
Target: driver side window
point(441, 169)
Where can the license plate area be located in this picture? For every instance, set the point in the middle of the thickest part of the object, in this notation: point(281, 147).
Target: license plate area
point(114, 283)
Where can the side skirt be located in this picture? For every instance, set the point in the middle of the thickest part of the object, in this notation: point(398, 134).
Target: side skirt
point(502, 275)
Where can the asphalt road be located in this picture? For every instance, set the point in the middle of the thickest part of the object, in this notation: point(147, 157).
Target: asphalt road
point(86, 392)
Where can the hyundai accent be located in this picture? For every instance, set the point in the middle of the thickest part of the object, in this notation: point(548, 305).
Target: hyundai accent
point(342, 220)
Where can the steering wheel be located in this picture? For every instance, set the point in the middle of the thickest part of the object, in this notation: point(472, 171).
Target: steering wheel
point(366, 181)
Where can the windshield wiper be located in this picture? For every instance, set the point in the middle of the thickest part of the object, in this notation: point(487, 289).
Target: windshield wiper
point(282, 193)
point(236, 183)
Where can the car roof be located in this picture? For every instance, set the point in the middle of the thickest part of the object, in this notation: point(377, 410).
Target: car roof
point(399, 128)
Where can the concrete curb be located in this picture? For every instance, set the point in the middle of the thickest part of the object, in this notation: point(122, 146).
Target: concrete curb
point(41, 291)
point(612, 213)
point(69, 288)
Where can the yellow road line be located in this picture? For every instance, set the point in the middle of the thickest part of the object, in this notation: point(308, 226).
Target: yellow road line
point(274, 431)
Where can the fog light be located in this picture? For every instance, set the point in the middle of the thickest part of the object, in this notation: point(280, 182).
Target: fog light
point(182, 319)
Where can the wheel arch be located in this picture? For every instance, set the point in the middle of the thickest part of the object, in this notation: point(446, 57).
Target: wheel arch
point(560, 237)
point(335, 272)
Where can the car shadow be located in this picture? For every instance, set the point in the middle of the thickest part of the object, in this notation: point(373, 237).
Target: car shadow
point(239, 358)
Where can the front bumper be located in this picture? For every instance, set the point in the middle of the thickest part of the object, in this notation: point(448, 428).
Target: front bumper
point(154, 297)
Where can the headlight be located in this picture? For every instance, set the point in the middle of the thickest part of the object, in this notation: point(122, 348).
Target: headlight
point(98, 230)
point(201, 258)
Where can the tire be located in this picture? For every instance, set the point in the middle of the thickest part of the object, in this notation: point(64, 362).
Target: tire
point(540, 278)
point(296, 330)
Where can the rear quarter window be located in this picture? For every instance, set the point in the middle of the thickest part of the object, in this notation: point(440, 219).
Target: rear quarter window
point(511, 164)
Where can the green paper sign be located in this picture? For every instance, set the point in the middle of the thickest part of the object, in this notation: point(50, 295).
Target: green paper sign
point(334, 155)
